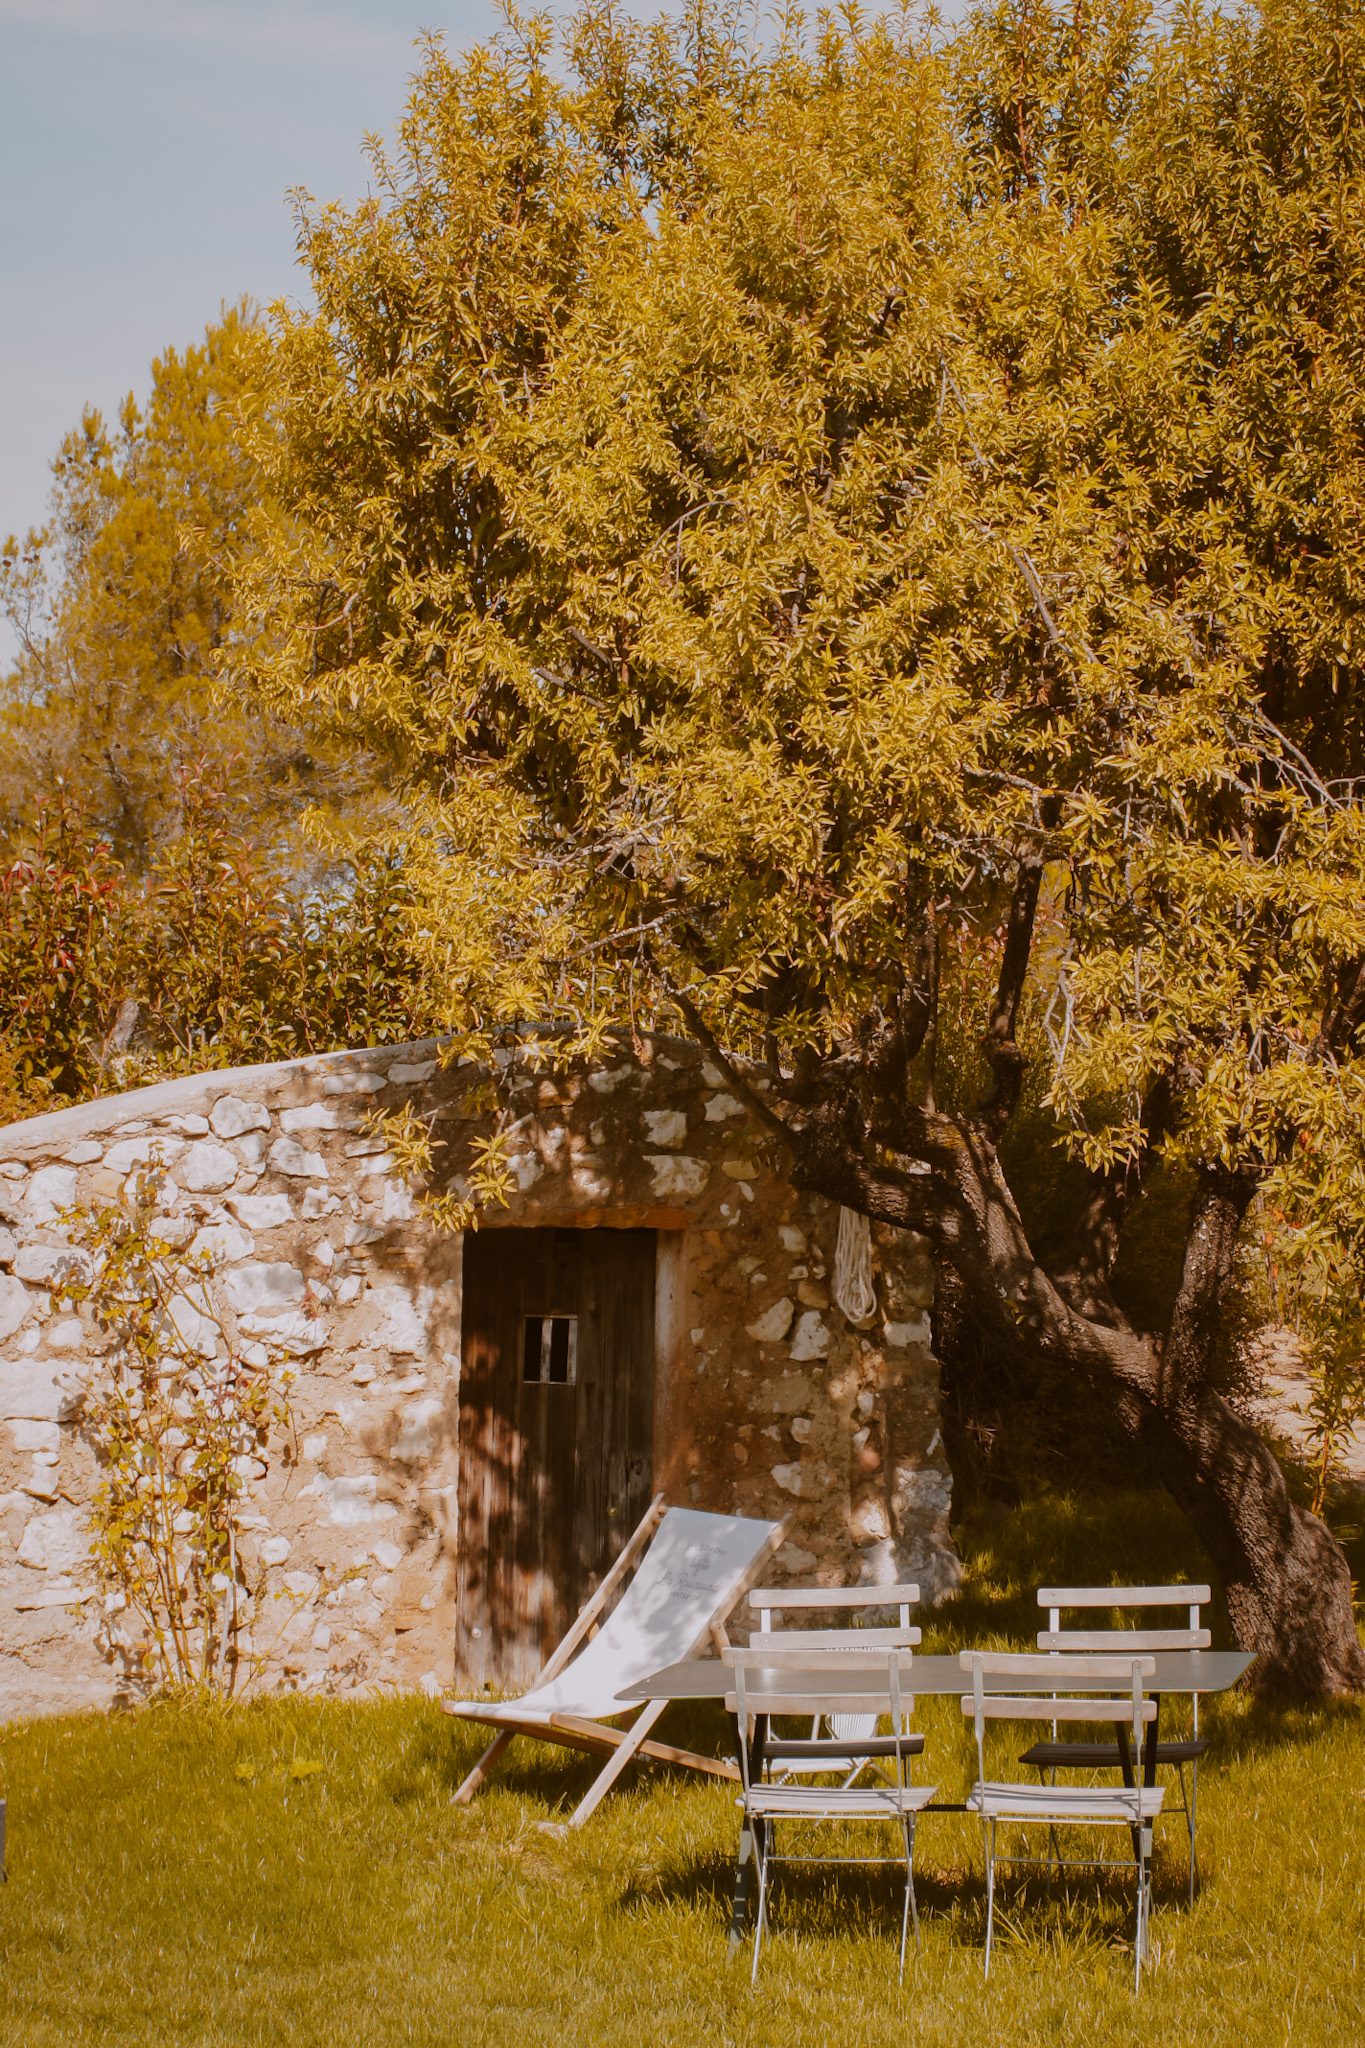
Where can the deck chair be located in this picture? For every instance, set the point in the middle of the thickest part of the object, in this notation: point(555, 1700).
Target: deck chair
point(1134, 1807)
point(761, 1691)
point(852, 1745)
point(1099, 1756)
point(690, 1570)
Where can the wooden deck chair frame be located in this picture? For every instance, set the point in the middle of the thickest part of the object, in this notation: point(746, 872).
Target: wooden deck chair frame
point(1022, 1805)
point(1093, 1756)
point(853, 1744)
point(761, 1691)
point(618, 1746)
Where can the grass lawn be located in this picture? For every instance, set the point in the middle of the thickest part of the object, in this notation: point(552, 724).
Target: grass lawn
point(294, 1872)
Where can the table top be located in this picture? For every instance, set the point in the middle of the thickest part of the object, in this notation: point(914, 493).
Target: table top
point(707, 1678)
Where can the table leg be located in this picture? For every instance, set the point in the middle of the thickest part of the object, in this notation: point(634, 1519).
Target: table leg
point(1149, 1746)
point(745, 1860)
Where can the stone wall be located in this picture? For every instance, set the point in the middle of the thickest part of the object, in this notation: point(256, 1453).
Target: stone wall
point(767, 1400)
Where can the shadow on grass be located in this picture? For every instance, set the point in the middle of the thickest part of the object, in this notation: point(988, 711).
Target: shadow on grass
point(1090, 1907)
point(443, 1753)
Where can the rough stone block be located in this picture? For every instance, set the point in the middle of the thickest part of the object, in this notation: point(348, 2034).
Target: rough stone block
point(294, 1332)
point(29, 1389)
point(55, 1542)
point(43, 1265)
point(350, 1500)
point(667, 1128)
point(84, 1154)
point(314, 1116)
point(677, 1176)
point(36, 1436)
point(264, 1288)
point(52, 1189)
point(231, 1117)
point(15, 1304)
point(8, 1247)
point(264, 1212)
point(196, 1330)
point(401, 1326)
point(403, 1076)
point(208, 1168)
point(812, 1338)
point(66, 1333)
point(287, 1156)
point(772, 1326)
point(353, 1084)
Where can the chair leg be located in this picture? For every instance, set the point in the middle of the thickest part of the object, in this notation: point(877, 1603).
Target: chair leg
point(466, 1791)
point(1143, 1902)
point(1191, 1814)
point(988, 1840)
point(762, 1844)
point(910, 1890)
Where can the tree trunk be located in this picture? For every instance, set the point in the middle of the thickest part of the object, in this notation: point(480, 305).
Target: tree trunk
point(1287, 1581)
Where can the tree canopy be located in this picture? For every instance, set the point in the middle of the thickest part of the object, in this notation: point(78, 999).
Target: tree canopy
point(119, 603)
point(829, 527)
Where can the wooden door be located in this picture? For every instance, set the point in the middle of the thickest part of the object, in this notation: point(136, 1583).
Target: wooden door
point(556, 1426)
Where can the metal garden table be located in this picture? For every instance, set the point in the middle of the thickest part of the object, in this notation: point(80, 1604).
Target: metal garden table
point(1180, 1672)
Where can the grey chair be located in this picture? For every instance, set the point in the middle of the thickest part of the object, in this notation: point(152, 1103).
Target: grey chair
point(1099, 1756)
point(1134, 1807)
point(851, 1744)
point(876, 1686)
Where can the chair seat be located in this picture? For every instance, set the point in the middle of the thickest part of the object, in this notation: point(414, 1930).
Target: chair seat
point(1066, 1802)
point(836, 1802)
point(839, 1749)
point(1098, 1756)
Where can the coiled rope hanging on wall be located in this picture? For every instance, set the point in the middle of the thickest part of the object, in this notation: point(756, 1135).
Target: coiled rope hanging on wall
point(853, 1289)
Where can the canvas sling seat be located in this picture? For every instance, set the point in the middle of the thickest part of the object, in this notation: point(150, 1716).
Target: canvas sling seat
point(679, 1578)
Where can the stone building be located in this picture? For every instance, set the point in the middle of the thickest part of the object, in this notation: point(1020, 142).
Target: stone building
point(477, 1423)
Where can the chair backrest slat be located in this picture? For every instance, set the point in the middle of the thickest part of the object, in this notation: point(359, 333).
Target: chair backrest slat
point(997, 1706)
point(832, 1596)
point(794, 1646)
point(1123, 1596)
point(1030, 1664)
point(1124, 1638)
point(767, 1600)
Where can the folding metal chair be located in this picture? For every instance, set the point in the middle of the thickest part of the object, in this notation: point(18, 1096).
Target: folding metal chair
point(877, 1686)
point(1098, 1756)
point(852, 1744)
point(1134, 1807)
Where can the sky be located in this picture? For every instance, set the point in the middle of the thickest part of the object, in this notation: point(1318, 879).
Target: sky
point(147, 149)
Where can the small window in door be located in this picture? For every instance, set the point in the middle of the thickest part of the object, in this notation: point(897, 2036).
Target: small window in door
point(550, 1350)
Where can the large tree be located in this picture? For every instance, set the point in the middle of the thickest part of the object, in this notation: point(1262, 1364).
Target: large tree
point(875, 521)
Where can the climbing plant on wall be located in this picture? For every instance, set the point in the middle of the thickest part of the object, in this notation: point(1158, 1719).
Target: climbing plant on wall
point(176, 1411)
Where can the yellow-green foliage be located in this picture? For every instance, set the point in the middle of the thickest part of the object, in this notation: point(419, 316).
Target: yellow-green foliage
point(119, 603)
point(756, 496)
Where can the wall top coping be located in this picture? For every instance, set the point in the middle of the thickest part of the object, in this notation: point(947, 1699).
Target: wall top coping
point(194, 1094)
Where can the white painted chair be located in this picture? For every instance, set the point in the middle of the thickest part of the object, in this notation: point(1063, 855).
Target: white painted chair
point(690, 1572)
point(1134, 1807)
point(852, 1744)
point(1099, 1756)
point(872, 1688)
